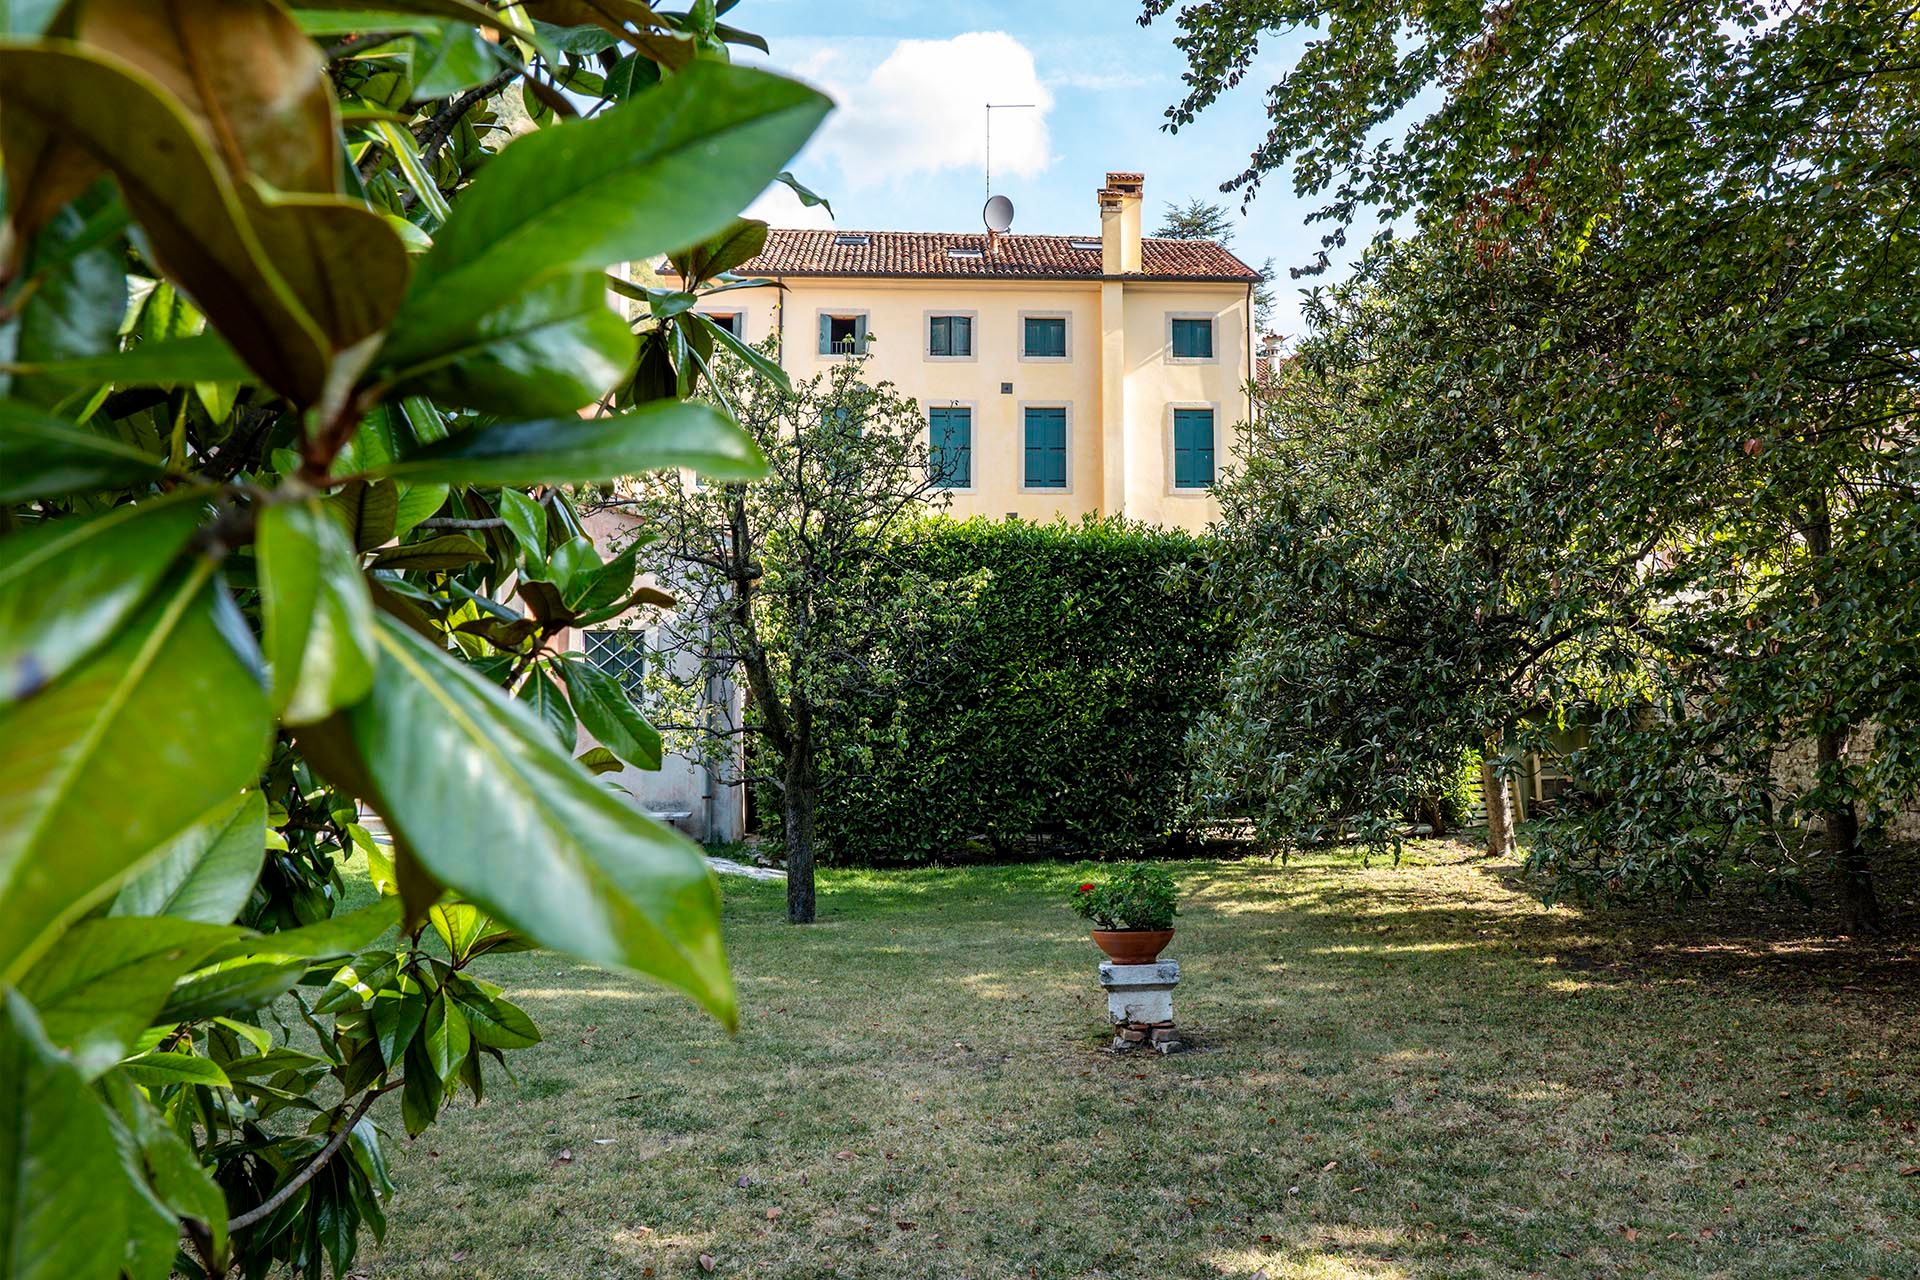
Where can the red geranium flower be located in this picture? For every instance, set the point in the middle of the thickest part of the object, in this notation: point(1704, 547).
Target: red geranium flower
point(1086, 888)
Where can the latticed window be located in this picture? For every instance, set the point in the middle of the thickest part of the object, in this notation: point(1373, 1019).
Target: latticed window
point(621, 654)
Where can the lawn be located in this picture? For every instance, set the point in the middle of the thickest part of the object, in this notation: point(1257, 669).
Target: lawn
point(1412, 1071)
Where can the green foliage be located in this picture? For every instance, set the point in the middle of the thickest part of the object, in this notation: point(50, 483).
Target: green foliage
point(1619, 441)
point(1056, 687)
point(268, 556)
point(1138, 895)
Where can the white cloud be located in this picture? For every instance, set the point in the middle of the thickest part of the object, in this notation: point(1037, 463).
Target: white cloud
point(922, 110)
point(778, 206)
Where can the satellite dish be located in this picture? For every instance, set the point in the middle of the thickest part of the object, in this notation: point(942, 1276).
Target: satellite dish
point(998, 214)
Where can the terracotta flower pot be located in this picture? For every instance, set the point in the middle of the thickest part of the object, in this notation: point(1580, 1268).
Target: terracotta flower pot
point(1132, 946)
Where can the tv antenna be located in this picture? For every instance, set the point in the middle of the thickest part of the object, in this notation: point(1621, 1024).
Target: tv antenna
point(998, 214)
point(991, 108)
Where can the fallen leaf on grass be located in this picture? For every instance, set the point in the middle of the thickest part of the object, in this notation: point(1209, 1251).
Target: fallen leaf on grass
point(706, 1262)
point(459, 1255)
point(1911, 1171)
point(906, 1226)
point(565, 1156)
point(843, 1155)
point(774, 1213)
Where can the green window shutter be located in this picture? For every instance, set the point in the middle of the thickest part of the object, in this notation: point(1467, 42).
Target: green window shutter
point(826, 335)
point(1193, 448)
point(950, 432)
point(1045, 336)
point(963, 335)
point(1046, 451)
point(940, 336)
point(1192, 339)
point(860, 335)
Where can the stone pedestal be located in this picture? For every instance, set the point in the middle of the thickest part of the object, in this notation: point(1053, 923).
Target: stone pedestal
point(1140, 1004)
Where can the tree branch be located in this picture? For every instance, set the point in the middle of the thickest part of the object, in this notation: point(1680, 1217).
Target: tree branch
point(302, 1178)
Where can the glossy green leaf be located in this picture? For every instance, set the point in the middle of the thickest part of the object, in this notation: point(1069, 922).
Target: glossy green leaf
point(573, 450)
point(538, 844)
point(318, 617)
point(448, 1037)
point(397, 1015)
point(451, 59)
point(178, 1181)
point(464, 10)
point(251, 973)
point(68, 585)
point(741, 241)
point(667, 169)
point(80, 806)
point(71, 306)
point(542, 693)
point(100, 985)
point(369, 510)
point(610, 716)
point(164, 1070)
point(417, 502)
point(168, 362)
point(495, 1022)
point(355, 982)
point(527, 520)
point(43, 457)
point(755, 359)
point(555, 348)
point(460, 925)
point(449, 551)
point(207, 873)
point(599, 760)
point(63, 1196)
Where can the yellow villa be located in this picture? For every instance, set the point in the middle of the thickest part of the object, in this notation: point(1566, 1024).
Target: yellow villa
point(1059, 375)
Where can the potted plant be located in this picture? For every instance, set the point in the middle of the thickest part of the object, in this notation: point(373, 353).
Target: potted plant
point(1132, 912)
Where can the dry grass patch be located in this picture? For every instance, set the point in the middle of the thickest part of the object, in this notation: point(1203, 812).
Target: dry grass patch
point(1413, 1071)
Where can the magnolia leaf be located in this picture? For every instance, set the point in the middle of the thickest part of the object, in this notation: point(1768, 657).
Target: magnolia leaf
point(164, 1070)
point(67, 586)
point(572, 450)
point(609, 715)
point(208, 872)
point(243, 70)
point(169, 362)
point(450, 551)
point(553, 349)
point(79, 809)
point(540, 692)
point(318, 616)
point(194, 224)
point(98, 988)
point(43, 457)
point(539, 845)
point(63, 1195)
point(667, 169)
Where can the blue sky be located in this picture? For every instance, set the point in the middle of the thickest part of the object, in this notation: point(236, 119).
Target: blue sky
point(904, 149)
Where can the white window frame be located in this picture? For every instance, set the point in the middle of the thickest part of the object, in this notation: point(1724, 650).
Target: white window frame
point(973, 441)
point(1020, 440)
point(841, 313)
point(1213, 322)
point(926, 335)
point(1020, 338)
point(1166, 432)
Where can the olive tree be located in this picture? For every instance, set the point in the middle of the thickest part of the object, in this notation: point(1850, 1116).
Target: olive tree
point(300, 309)
point(1632, 406)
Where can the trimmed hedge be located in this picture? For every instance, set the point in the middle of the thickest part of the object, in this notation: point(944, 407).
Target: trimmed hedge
point(1071, 660)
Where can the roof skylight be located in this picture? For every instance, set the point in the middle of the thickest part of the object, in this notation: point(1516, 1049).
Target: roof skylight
point(852, 240)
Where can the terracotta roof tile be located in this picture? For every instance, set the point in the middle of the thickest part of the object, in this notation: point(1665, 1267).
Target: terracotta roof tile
point(1014, 257)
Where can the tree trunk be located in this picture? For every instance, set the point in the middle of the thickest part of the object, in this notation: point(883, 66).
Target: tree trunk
point(797, 806)
point(1852, 869)
point(1496, 791)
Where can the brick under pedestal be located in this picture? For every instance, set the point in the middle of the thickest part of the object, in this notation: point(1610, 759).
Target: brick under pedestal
point(1140, 1004)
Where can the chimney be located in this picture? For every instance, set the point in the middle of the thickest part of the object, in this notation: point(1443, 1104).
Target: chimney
point(1120, 201)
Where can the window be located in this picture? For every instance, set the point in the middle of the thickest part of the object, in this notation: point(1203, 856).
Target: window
point(1046, 461)
point(621, 654)
point(1086, 246)
point(1043, 338)
point(966, 253)
point(1193, 448)
point(950, 446)
point(843, 335)
point(852, 240)
point(1192, 338)
point(734, 322)
point(950, 337)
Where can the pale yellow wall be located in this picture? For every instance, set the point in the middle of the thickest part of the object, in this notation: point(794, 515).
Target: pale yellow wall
point(1122, 360)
